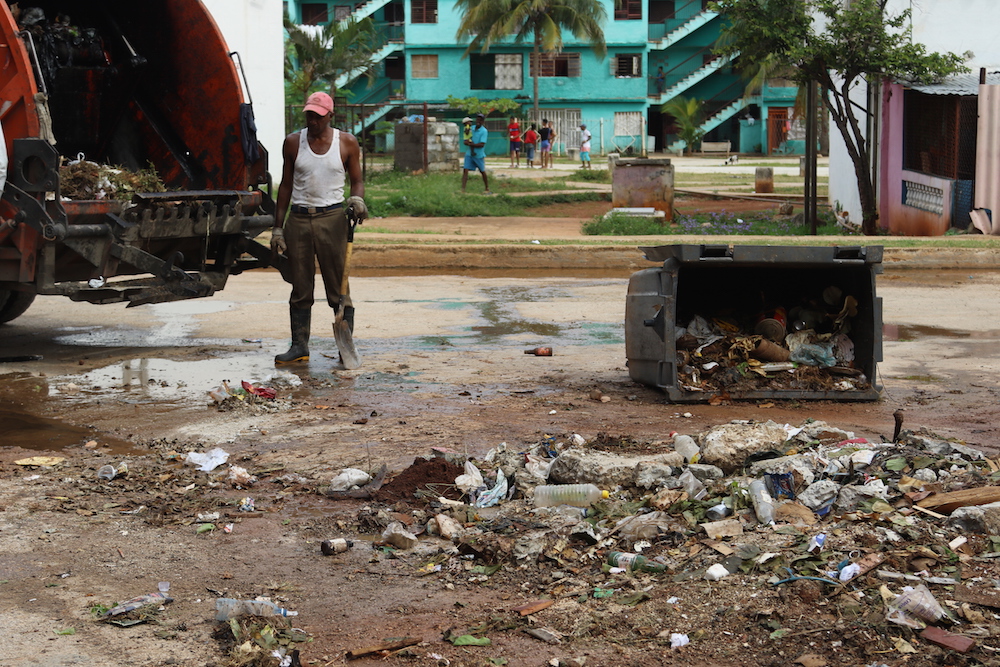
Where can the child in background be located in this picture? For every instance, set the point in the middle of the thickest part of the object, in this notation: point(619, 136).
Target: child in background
point(530, 139)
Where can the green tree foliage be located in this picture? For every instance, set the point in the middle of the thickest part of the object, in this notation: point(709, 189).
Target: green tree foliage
point(687, 113)
point(314, 60)
point(839, 45)
point(474, 105)
point(488, 22)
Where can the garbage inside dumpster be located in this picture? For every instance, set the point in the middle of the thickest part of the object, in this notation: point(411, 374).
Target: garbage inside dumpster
point(745, 322)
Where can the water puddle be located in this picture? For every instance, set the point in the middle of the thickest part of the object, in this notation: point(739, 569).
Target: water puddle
point(21, 429)
point(911, 332)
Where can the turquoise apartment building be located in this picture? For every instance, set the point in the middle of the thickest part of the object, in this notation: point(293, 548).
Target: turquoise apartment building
point(617, 96)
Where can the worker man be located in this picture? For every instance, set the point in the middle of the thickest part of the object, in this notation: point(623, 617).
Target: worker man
point(315, 161)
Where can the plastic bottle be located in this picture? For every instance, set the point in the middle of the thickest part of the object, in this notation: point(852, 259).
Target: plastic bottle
point(634, 562)
point(763, 505)
point(226, 608)
point(686, 446)
point(577, 495)
point(692, 485)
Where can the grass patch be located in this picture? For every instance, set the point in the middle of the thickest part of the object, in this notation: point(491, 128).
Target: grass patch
point(590, 176)
point(710, 224)
point(440, 195)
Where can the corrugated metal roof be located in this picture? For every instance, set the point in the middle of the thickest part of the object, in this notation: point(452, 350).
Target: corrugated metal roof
point(957, 84)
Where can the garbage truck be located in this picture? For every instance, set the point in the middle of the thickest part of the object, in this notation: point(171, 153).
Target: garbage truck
point(128, 88)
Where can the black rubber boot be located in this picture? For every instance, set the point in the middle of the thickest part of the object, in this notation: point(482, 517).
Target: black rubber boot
point(299, 351)
point(349, 317)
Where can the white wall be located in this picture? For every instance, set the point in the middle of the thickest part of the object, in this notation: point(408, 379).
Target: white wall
point(254, 29)
point(944, 26)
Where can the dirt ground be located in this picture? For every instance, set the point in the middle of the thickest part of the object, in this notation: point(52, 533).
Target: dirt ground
point(444, 368)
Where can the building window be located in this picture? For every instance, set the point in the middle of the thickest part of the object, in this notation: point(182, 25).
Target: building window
point(342, 12)
point(424, 66)
point(556, 64)
point(423, 11)
point(628, 10)
point(501, 71)
point(626, 65)
point(314, 13)
point(628, 123)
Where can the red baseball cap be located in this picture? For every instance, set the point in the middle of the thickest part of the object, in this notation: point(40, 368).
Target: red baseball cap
point(319, 103)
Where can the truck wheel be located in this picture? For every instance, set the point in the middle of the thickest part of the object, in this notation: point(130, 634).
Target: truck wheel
point(13, 304)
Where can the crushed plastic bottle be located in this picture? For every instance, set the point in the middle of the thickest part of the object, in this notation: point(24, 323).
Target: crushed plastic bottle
point(227, 608)
point(634, 562)
point(692, 485)
point(577, 495)
point(763, 504)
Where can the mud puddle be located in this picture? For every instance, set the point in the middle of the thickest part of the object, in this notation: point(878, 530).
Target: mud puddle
point(908, 333)
point(29, 431)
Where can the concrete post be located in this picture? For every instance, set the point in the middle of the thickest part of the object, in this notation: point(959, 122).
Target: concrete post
point(764, 180)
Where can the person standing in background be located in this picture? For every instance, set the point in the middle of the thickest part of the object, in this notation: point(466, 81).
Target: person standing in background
point(530, 141)
point(475, 157)
point(547, 135)
point(514, 134)
point(584, 147)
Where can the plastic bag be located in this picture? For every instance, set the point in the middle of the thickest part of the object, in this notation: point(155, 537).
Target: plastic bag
point(494, 495)
point(814, 354)
point(471, 480)
point(208, 461)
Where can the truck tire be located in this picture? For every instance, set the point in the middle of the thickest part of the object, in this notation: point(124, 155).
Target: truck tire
point(13, 304)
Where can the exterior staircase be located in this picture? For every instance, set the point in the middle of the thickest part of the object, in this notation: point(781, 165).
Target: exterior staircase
point(714, 121)
point(694, 77)
point(367, 9)
point(682, 31)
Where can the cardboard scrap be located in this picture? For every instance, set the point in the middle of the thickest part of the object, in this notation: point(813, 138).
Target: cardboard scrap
point(948, 640)
point(725, 528)
point(532, 607)
point(40, 461)
point(948, 502)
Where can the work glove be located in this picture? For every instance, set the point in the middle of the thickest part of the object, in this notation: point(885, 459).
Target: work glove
point(356, 208)
point(278, 244)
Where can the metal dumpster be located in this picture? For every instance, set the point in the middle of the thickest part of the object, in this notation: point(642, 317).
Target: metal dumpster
point(823, 297)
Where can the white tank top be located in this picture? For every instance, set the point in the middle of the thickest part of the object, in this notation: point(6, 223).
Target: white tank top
point(318, 179)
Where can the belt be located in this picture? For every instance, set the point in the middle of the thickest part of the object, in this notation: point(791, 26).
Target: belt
point(313, 210)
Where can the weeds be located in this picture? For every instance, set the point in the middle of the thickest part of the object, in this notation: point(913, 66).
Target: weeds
point(709, 224)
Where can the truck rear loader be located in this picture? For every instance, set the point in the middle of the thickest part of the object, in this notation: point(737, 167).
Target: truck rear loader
point(138, 85)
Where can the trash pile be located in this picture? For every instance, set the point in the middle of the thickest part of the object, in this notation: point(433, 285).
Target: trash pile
point(905, 533)
point(83, 179)
point(806, 348)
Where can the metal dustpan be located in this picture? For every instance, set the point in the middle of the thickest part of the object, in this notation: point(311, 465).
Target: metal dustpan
point(341, 329)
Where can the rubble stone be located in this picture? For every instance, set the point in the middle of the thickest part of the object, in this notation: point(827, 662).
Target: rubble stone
point(853, 494)
point(939, 446)
point(727, 446)
point(818, 494)
point(578, 466)
point(977, 519)
point(800, 465)
point(820, 430)
point(705, 472)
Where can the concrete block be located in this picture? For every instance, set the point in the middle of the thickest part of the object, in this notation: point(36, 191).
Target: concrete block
point(578, 466)
point(727, 446)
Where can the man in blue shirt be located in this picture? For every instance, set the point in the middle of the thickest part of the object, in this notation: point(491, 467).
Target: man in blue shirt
point(475, 157)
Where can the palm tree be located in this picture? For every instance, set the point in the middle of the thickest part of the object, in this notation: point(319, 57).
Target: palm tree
point(487, 22)
point(687, 112)
point(315, 58)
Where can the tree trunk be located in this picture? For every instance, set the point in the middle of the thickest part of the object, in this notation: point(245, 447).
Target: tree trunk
point(536, 51)
point(861, 158)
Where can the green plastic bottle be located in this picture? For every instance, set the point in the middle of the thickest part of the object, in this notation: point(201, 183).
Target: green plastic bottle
point(634, 562)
